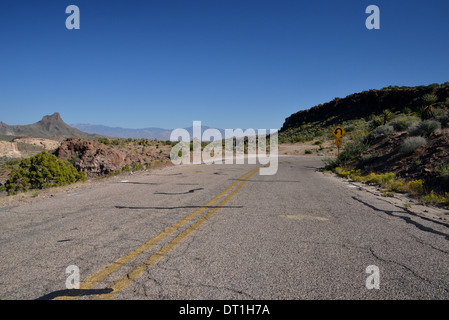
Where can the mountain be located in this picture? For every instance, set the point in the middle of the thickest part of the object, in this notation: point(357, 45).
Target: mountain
point(50, 127)
point(148, 133)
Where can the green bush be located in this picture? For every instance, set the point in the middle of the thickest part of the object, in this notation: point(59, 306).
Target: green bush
point(137, 166)
point(410, 144)
point(104, 141)
point(425, 128)
point(429, 99)
point(443, 170)
point(351, 150)
point(403, 124)
point(43, 170)
point(416, 187)
point(384, 130)
point(443, 118)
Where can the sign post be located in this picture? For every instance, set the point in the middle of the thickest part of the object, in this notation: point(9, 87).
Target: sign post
point(338, 132)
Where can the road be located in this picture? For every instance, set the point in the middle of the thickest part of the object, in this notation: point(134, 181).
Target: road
point(221, 232)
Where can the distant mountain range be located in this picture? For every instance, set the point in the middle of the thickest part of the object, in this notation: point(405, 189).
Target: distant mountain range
point(53, 127)
point(149, 133)
point(118, 132)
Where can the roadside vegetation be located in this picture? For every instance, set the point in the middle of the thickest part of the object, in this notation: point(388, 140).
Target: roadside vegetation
point(378, 147)
point(41, 171)
point(415, 129)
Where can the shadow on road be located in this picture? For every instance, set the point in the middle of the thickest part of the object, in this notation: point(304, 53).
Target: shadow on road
point(174, 193)
point(405, 218)
point(74, 293)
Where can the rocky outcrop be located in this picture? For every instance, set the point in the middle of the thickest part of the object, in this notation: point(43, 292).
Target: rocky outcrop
point(97, 159)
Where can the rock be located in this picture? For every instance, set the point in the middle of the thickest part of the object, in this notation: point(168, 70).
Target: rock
point(9, 149)
point(97, 159)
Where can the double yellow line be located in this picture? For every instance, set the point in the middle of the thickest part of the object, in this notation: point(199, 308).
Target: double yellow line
point(127, 279)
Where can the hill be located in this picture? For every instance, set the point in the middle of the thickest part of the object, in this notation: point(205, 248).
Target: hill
point(49, 127)
point(363, 104)
point(306, 125)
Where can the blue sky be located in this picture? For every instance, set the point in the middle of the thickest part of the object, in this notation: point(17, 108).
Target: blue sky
point(227, 63)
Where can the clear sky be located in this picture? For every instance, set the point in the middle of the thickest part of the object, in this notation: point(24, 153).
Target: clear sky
point(227, 63)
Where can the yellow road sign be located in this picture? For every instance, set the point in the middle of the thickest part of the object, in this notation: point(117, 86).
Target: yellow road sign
point(338, 142)
point(339, 132)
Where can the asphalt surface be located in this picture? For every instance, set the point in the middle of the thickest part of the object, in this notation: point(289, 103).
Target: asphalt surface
point(212, 232)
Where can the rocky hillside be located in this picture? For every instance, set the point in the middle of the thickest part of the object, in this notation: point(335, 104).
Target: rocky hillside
point(398, 135)
point(366, 103)
point(50, 127)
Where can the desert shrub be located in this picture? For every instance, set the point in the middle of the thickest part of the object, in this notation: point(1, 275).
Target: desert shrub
point(351, 150)
point(387, 116)
point(126, 168)
point(375, 121)
point(380, 178)
point(366, 160)
point(443, 170)
point(43, 170)
point(429, 99)
point(434, 198)
point(137, 166)
point(416, 186)
point(394, 185)
point(385, 130)
point(309, 151)
point(360, 134)
point(443, 118)
point(403, 124)
point(406, 110)
point(118, 142)
point(410, 144)
point(425, 128)
point(104, 141)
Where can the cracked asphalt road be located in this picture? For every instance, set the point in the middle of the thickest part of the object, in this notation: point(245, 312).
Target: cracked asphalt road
point(299, 234)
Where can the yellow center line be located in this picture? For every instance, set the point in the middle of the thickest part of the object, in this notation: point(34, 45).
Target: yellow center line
point(99, 276)
point(126, 280)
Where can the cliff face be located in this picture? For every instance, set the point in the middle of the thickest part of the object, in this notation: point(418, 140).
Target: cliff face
point(365, 103)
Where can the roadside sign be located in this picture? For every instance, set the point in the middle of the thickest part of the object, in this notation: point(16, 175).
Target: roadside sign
point(338, 142)
point(339, 132)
